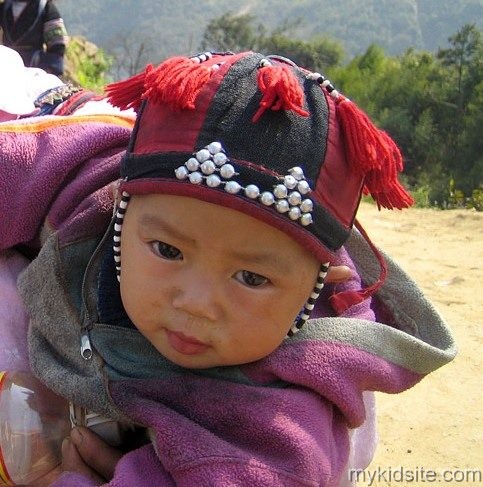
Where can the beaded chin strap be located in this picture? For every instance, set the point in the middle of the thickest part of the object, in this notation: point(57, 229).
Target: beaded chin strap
point(120, 212)
point(310, 303)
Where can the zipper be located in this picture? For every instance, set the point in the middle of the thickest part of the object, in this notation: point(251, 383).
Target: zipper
point(85, 347)
point(85, 341)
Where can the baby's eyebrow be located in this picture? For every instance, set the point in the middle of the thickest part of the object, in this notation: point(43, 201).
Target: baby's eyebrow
point(153, 222)
point(258, 256)
point(271, 259)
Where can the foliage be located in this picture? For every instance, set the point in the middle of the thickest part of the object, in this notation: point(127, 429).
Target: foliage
point(176, 27)
point(86, 64)
point(431, 104)
point(318, 54)
point(129, 53)
point(433, 107)
point(231, 32)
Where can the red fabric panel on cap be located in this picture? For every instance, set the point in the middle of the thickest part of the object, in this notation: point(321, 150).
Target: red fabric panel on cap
point(338, 188)
point(163, 130)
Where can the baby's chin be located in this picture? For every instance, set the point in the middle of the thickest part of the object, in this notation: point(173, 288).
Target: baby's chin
point(205, 359)
point(193, 362)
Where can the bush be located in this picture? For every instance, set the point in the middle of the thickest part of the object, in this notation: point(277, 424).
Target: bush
point(86, 64)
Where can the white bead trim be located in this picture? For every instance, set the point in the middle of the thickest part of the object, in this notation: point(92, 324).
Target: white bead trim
point(310, 304)
point(326, 84)
point(120, 211)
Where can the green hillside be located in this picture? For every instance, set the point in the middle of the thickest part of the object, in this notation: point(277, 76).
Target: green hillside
point(167, 27)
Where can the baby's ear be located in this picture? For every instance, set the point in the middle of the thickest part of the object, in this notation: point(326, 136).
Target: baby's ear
point(338, 273)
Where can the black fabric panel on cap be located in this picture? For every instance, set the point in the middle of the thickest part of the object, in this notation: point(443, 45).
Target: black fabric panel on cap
point(281, 139)
point(162, 166)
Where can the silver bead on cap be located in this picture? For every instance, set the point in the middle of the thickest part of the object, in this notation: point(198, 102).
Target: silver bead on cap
point(303, 187)
point(297, 173)
point(213, 181)
point(195, 177)
point(290, 182)
point(181, 172)
point(214, 148)
point(295, 198)
point(267, 198)
point(282, 206)
point(306, 206)
point(306, 219)
point(192, 164)
point(203, 155)
point(232, 187)
point(227, 171)
point(252, 191)
point(220, 158)
point(211, 166)
point(280, 191)
point(294, 213)
point(208, 167)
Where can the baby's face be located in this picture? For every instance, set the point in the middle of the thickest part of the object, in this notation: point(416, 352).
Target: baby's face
point(209, 286)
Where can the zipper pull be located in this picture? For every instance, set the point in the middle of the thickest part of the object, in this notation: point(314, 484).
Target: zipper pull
point(86, 348)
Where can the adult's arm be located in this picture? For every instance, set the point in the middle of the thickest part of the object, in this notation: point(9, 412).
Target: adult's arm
point(54, 31)
point(56, 172)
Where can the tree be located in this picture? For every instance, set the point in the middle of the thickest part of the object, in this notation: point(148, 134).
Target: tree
point(318, 54)
point(462, 128)
point(465, 46)
point(432, 106)
point(232, 32)
point(130, 53)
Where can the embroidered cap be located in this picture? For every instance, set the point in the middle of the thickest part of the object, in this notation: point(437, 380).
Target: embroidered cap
point(259, 135)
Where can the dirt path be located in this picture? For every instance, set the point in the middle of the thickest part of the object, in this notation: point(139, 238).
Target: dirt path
point(437, 424)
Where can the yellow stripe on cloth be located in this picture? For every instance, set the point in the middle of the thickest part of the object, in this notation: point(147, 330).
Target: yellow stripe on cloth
point(39, 125)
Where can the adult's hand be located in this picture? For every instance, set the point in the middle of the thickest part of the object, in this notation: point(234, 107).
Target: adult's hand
point(86, 453)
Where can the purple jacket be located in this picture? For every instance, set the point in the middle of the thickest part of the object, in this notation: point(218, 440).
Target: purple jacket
point(283, 420)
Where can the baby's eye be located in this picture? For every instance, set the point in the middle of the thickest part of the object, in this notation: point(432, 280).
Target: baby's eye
point(166, 251)
point(251, 279)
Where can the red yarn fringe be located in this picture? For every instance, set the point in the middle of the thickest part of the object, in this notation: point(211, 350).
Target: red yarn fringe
point(374, 154)
point(281, 91)
point(127, 93)
point(176, 82)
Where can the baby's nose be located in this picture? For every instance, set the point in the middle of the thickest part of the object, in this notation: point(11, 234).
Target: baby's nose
point(198, 297)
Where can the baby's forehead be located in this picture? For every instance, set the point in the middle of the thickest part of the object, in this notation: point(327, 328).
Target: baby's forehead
point(221, 228)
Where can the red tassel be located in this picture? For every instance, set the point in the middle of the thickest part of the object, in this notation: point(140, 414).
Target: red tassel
point(281, 90)
point(127, 93)
point(176, 82)
point(374, 154)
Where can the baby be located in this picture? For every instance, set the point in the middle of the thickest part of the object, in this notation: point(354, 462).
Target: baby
point(201, 313)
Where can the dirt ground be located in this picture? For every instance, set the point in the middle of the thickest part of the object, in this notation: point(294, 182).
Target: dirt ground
point(437, 424)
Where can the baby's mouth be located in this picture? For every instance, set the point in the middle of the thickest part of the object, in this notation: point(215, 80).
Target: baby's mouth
point(184, 344)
